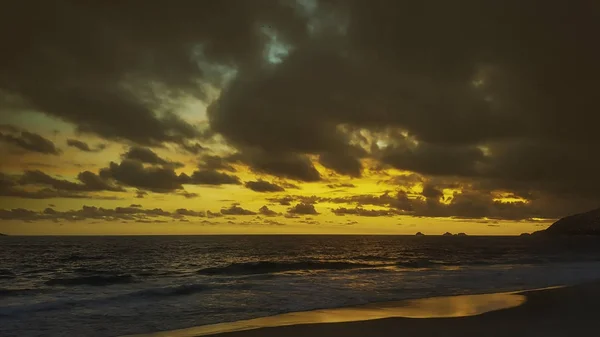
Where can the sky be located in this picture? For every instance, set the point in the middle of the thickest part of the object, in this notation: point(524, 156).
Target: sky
point(298, 117)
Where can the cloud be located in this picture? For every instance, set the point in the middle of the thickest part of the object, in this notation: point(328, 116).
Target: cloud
point(50, 187)
point(359, 211)
point(187, 212)
point(399, 200)
point(302, 208)
point(263, 186)
point(138, 214)
point(266, 211)
point(286, 184)
point(435, 160)
point(272, 222)
point(341, 185)
point(188, 195)
point(145, 155)
point(444, 92)
point(210, 162)
point(342, 163)
point(236, 210)
point(284, 201)
point(83, 146)
point(193, 148)
point(211, 177)
point(26, 140)
point(478, 110)
point(120, 88)
point(431, 192)
point(140, 194)
point(286, 165)
point(210, 214)
point(133, 173)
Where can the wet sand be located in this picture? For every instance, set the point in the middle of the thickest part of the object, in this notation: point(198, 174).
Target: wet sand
point(566, 311)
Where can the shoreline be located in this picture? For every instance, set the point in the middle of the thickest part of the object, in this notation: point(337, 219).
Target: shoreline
point(559, 310)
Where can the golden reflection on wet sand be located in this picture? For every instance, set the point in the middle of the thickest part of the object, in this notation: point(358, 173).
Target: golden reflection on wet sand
point(435, 307)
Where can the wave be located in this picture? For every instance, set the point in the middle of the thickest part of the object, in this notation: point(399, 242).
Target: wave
point(5, 292)
point(6, 274)
point(267, 267)
point(178, 290)
point(421, 263)
point(78, 257)
point(92, 280)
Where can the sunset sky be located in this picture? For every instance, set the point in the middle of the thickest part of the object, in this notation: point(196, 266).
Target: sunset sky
point(375, 117)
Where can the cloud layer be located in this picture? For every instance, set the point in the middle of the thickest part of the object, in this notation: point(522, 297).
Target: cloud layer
point(488, 108)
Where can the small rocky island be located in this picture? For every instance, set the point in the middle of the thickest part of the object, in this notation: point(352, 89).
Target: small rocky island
point(450, 234)
point(2, 234)
point(419, 234)
point(587, 223)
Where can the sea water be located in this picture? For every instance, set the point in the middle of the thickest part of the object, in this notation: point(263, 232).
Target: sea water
point(112, 286)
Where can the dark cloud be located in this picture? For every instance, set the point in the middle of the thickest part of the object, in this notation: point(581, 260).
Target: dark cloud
point(272, 222)
point(145, 155)
point(341, 185)
point(286, 184)
point(133, 173)
point(342, 163)
point(236, 210)
point(187, 212)
point(454, 82)
point(211, 177)
point(303, 208)
point(50, 187)
point(96, 183)
point(444, 91)
point(92, 213)
point(398, 200)
point(432, 159)
point(266, 211)
point(27, 140)
point(83, 146)
point(53, 187)
point(140, 194)
point(188, 195)
point(210, 162)
point(432, 192)
point(359, 211)
point(284, 201)
point(287, 165)
point(112, 71)
point(210, 214)
point(263, 186)
point(193, 148)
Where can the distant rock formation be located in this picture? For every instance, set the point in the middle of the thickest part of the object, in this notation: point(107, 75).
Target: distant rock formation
point(461, 234)
point(3, 234)
point(525, 234)
point(448, 234)
point(587, 223)
point(419, 234)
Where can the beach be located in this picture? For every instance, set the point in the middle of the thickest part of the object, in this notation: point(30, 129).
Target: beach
point(558, 311)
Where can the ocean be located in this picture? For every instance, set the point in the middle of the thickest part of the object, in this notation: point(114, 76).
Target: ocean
point(113, 286)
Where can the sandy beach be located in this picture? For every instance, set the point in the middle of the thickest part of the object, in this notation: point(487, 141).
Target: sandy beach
point(562, 311)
